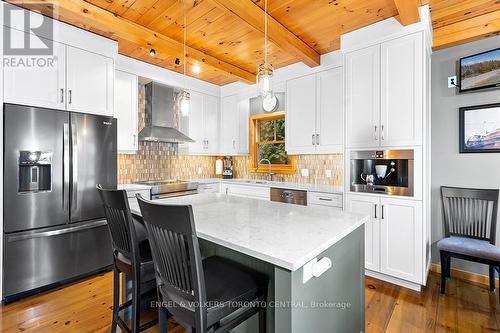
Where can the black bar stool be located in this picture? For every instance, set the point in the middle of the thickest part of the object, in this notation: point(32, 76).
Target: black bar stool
point(198, 293)
point(131, 256)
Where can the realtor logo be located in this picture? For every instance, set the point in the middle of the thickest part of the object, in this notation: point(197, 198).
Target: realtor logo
point(37, 39)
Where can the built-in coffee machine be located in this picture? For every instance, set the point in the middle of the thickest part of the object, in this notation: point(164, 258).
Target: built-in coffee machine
point(382, 171)
point(227, 172)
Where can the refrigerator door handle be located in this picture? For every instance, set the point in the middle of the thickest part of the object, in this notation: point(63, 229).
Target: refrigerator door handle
point(74, 178)
point(39, 234)
point(66, 164)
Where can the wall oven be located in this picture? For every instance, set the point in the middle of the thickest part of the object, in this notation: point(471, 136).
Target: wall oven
point(382, 171)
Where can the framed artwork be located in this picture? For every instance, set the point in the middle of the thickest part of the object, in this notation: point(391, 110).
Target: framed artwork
point(480, 71)
point(480, 129)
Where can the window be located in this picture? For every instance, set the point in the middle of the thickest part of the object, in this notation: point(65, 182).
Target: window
point(267, 141)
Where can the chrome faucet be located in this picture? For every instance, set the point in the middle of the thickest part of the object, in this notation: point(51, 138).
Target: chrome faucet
point(269, 174)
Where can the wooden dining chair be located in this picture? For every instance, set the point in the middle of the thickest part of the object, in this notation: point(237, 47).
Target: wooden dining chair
point(198, 293)
point(131, 256)
point(470, 218)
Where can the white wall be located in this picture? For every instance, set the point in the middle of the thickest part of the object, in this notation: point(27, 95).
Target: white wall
point(449, 167)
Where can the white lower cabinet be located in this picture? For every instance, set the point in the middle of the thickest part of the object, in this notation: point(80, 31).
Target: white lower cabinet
point(246, 191)
point(393, 236)
point(209, 188)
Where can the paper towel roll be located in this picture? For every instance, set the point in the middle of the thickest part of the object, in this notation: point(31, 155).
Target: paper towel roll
point(218, 167)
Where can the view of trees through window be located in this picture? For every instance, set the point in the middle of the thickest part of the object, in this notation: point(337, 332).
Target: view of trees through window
point(271, 144)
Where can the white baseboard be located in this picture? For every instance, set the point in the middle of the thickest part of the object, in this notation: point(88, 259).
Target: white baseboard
point(393, 280)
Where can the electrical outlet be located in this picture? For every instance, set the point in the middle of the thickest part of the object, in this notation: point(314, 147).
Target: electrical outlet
point(304, 172)
point(452, 82)
point(328, 173)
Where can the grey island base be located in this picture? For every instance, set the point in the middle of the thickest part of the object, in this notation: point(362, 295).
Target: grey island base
point(283, 241)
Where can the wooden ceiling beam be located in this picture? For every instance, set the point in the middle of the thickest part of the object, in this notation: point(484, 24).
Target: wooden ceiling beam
point(467, 30)
point(408, 11)
point(286, 40)
point(86, 15)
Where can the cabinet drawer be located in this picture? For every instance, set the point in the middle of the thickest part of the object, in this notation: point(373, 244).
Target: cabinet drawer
point(146, 194)
point(208, 188)
point(324, 199)
point(256, 192)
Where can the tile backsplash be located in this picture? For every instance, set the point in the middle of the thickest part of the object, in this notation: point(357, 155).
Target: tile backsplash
point(156, 160)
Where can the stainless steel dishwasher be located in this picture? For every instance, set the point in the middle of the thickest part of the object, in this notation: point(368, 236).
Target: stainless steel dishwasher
point(296, 197)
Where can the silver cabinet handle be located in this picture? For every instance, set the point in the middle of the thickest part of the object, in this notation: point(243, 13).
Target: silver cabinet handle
point(326, 199)
point(382, 212)
point(70, 97)
point(313, 139)
point(375, 216)
point(376, 134)
point(234, 144)
point(382, 132)
point(317, 139)
point(62, 95)
point(134, 140)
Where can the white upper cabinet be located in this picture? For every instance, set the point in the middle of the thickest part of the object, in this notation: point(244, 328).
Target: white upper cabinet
point(201, 125)
point(384, 94)
point(402, 91)
point(362, 91)
point(126, 110)
point(330, 111)
point(244, 119)
point(367, 205)
point(90, 79)
point(211, 116)
point(314, 115)
point(229, 138)
point(301, 114)
point(37, 86)
point(401, 246)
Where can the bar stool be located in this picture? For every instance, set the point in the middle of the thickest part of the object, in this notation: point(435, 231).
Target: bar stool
point(198, 293)
point(131, 256)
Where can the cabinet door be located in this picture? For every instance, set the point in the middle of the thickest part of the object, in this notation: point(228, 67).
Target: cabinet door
point(401, 91)
point(211, 115)
point(243, 132)
point(195, 124)
point(36, 86)
point(401, 239)
point(90, 79)
point(229, 125)
point(301, 115)
point(362, 97)
point(126, 110)
point(368, 205)
point(330, 110)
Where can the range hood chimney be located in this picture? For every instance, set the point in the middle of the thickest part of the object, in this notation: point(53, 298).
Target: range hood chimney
point(161, 116)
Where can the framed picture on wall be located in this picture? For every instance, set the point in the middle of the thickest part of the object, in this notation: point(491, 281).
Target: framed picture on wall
point(480, 129)
point(480, 71)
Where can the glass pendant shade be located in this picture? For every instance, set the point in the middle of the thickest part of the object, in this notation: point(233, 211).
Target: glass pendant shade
point(265, 79)
point(184, 98)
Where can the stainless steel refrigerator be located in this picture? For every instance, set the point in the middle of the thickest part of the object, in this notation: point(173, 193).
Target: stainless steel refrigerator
point(54, 226)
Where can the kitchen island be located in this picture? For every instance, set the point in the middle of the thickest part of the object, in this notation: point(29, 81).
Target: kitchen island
point(283, 241)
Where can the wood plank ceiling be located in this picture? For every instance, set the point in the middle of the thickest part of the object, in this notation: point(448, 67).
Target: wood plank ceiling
point(225, 37)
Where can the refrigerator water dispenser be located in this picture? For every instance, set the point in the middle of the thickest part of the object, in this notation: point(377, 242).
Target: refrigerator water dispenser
point(35, 171)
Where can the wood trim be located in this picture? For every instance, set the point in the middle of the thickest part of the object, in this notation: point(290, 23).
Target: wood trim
point(408, 11)
point(467, 30)
point(281, 169)
point(253, 15)
point(464, 275)
point(86, 15)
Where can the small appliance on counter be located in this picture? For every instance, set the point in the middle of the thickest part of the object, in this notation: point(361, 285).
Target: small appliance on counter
point(227, 172)
point(219, 166)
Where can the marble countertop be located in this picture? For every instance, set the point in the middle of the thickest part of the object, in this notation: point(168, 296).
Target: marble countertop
point(293, 186)
point(284, 235)
point(133, 187)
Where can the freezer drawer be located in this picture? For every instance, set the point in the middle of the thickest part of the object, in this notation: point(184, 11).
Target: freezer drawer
point(43, 257)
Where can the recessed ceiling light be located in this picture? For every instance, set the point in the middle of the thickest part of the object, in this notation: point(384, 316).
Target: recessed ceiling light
point(152, 52)
point(196, 69)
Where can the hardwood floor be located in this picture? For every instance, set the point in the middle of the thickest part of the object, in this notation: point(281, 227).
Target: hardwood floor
point(86, 307)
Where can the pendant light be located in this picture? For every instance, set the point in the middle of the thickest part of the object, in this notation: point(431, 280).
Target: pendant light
point(265, 70)
point(184, 96)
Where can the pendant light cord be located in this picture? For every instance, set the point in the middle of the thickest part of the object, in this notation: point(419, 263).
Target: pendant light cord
point(185, 39)
point(265, 33)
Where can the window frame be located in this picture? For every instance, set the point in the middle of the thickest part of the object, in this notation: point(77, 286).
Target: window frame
point(255, 142)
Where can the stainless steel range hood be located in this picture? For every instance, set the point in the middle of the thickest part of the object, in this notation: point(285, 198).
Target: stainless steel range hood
point(161, 117)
